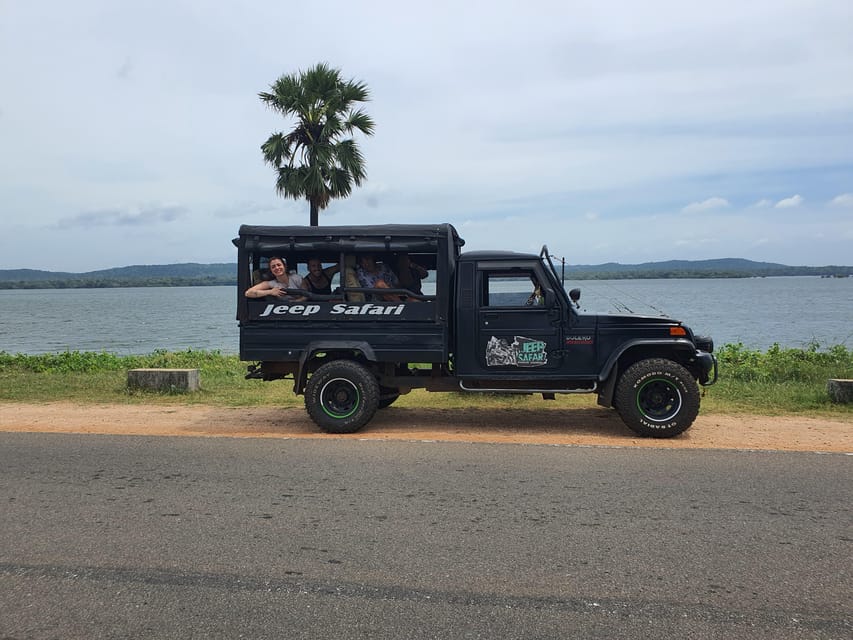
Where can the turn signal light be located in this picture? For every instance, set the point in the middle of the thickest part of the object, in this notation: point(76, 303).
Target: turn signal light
point(677, 331)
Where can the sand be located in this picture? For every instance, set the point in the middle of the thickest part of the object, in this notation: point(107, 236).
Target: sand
point(580, 427)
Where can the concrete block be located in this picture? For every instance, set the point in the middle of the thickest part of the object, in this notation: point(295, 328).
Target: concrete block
point(164, 379)
point(840, 391)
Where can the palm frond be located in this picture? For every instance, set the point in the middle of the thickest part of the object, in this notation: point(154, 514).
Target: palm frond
point(340, 183)
point(349, 159)
point(354, 92)
point(290, 182)
point(359, 120)
point(275, 149)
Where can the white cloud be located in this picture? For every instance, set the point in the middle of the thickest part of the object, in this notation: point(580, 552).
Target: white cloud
point(591, 215)
point(138, 216)
point(706, 205)
point(790, 203)
point(844, 200)
point(762, 204)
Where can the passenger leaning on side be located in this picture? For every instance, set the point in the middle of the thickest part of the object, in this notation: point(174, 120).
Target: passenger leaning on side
point(319, 280)
point(276, 287)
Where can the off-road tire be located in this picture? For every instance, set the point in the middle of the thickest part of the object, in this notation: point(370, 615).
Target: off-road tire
point(657, 398)
point(341, 396)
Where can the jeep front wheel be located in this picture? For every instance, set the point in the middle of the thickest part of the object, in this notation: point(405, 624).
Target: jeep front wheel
point(657, 398)
point(341, 396)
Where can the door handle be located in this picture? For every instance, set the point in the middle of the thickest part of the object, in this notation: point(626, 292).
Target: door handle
point(490, 316)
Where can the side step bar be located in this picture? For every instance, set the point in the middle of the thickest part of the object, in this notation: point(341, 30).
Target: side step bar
point(591, 389)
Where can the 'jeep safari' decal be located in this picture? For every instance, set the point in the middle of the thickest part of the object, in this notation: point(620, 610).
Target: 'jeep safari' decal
point(322, 311)
point(523, 352)
point(336, 309)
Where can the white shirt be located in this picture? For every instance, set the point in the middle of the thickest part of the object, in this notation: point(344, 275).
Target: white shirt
point(294, 281)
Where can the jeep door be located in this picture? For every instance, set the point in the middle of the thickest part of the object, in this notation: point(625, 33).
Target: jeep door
point(517, 322)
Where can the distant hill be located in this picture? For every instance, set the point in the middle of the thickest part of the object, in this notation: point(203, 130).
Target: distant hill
point(186, 274)
point(148, 275)
point(718, 264)
point(716, 268)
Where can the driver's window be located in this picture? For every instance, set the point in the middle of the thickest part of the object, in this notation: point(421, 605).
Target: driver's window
point(512, 289)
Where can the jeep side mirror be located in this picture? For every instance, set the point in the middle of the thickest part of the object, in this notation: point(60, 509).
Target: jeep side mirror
point(574, 296)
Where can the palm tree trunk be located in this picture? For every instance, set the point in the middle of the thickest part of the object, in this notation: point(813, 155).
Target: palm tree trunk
point(315, 215)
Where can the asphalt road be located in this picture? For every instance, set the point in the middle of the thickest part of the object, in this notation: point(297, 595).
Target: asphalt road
point(137, 537)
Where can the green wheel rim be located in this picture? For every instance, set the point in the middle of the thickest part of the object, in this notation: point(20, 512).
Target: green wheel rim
point(340, 398)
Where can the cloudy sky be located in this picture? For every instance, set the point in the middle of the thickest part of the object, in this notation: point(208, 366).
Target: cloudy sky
point(618, 131)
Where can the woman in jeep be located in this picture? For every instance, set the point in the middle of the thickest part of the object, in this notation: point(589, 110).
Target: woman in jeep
point(277, 286)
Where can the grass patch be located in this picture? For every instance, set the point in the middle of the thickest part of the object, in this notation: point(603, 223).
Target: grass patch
point(776, 381)
point(91, 377)
point(779, 380)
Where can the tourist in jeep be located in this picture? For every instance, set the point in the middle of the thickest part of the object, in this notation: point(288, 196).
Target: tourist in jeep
point(410, 274)
point(281, 281)
point(319, 280)
point(374, 276)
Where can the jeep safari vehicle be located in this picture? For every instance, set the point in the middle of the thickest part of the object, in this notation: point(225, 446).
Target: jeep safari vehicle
point(496, 322)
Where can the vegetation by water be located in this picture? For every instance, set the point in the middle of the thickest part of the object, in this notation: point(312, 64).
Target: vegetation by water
point(779, 380)
point(193, 274)
point(117, 283)
point(776, 381)
point(158, 275)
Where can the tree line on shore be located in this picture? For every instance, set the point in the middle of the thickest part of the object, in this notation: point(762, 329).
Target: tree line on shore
point(142, 277)
point(115, 283)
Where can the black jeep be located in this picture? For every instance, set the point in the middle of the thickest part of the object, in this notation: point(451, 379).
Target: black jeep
point(488, 321)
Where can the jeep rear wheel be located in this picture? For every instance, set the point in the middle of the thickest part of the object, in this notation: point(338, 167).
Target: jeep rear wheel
point(657, 398)
point(341, 396)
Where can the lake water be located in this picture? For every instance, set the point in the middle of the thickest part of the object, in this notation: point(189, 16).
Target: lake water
point(792, 311)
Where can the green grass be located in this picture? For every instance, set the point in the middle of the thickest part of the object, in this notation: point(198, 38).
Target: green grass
point(102, 377)
point(776, 381)
point(779, 380)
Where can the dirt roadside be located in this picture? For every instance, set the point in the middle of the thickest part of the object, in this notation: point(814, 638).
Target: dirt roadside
point(584, 427)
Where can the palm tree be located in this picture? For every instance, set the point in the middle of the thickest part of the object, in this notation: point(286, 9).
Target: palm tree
point(317, 160)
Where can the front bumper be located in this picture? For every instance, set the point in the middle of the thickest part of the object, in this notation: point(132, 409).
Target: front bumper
point(707, 366)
